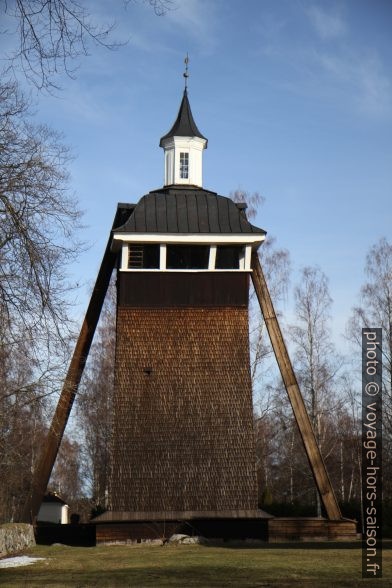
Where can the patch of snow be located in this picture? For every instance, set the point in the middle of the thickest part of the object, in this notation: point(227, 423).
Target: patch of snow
point(21, 560)
point(187, 540)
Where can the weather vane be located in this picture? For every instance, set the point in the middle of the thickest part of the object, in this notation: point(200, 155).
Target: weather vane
point(186, 74)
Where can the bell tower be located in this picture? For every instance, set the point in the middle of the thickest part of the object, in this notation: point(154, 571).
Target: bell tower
point(183, 456)
point(183, 448)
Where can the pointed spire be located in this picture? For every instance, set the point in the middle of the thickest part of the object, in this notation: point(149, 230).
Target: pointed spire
point(184, 125)
point(184, 145)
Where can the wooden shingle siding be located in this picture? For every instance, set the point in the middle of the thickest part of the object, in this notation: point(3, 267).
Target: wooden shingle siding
point(182, 424)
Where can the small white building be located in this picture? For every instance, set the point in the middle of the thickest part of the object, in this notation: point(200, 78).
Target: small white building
point(53, 510)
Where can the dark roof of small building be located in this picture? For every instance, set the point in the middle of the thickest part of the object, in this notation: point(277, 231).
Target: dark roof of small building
point(53, 497)
point(184, 125)
point(184, 209)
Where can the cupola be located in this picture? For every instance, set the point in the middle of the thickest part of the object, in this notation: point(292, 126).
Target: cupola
point(183, 146)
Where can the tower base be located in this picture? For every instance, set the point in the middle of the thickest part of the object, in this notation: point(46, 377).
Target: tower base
point(131, 527)
point(128, 528)
point(284, 529)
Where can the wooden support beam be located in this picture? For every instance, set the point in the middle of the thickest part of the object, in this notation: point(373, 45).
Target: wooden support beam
point(52, 443)
point(290, 381)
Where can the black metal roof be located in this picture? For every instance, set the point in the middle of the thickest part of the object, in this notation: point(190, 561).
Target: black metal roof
point(181, 209)
point(52, 497)
point(184, 125)
point(123, 212)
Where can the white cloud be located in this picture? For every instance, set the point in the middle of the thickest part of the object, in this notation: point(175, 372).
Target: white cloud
point(270, 29)
point(327, 25)
point(198, 19)
point(190, 14)
point(365, 77)
point(77, 103)
point(352, 76)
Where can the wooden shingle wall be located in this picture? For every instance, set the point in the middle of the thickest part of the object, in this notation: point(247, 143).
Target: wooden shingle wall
point(182, 425)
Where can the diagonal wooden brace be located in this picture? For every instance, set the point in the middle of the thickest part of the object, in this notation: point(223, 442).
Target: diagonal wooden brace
point(290, 381)
point(52, 443)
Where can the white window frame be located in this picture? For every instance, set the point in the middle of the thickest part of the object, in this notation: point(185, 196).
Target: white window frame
point(162, 256)
point(212, 258)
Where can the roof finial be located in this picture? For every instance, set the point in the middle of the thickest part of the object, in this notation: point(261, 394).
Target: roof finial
point(186, 74)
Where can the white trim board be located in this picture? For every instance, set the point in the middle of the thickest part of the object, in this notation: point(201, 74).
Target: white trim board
point(187, 271)
point(189, 238)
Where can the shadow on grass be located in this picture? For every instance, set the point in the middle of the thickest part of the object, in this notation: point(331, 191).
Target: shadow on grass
point(292, 545)
point(198, 576)
point(321, 545)
point(230, 565)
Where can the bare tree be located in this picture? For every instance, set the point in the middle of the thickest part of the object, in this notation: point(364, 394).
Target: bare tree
point(276, 267)
point(348, 433)
point(52, 34)
point(38, 218)
point(317, 362)
point(375, 311)
point(94, 404)
point(66, 478)
point(22, 428)
point(253, 201)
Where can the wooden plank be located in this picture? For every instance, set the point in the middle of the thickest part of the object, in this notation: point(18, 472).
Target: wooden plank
point(50, 449)
point(118, 516)
point(182, 289)
point(310, 529)
point(290, 381)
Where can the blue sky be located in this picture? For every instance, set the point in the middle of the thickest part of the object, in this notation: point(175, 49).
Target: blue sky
point(294, 96)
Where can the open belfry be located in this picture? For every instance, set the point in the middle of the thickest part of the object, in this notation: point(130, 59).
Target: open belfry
point(183, 455)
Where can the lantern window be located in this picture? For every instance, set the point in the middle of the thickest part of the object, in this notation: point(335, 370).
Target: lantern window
point(184, 166)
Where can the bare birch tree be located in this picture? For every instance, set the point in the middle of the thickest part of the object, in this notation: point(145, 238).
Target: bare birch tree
point(375, 311)
point(316, 360)
point(276, 267)
point(66, 478)
point(94, 404)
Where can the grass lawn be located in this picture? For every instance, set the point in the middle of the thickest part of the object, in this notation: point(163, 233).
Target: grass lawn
point(324, 565)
